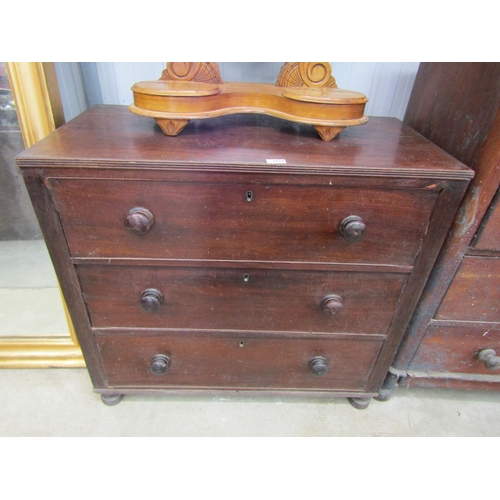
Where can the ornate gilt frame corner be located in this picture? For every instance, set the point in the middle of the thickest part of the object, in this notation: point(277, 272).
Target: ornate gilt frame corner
point(39, 110)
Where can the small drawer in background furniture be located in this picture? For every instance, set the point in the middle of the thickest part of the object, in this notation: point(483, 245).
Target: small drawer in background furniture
point(489, 232)
point(474, 294)
point(459, 349)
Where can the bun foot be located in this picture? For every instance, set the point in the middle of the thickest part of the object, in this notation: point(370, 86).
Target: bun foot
point(383, 395)
point(111, 399)
point(359, 403)
point(389, 386)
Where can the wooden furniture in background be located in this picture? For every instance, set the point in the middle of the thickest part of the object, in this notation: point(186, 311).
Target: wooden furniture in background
point(245, 256)
point(304, 93)
point(454, 337)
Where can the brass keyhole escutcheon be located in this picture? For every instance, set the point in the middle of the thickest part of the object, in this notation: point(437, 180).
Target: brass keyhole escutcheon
point(249, 195)
point(246, 277)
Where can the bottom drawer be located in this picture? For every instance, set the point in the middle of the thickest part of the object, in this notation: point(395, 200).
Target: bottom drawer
point(455, 349)
point(197, 361)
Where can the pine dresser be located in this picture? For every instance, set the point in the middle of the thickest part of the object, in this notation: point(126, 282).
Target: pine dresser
point(243, 256)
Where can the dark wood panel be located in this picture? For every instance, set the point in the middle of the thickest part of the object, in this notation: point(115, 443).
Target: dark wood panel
point(241, 299)
point(474, 294)
point(216, 221)
point(214, 362)
point(448, 380)
point(454, 349)
point(442, 216)
point(237, 264)
point(53, 233)
point(249, 174)
point(434, 114)
point(112, 136)
point(454, 105)
point(489, 232)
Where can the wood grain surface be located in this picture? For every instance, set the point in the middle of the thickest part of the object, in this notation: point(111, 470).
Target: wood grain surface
point(489, 232)
point(112, 137)
point(241, 299)
point(454, 105)
point(214, 362)
point(234, 256)
point(474, 294)
point(457, 106)
point(454, 349)
point(216, 221)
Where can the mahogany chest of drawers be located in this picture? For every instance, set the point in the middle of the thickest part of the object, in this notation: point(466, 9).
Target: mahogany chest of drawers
point(245, 255)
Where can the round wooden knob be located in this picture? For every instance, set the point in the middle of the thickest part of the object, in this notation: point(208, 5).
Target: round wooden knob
point(318, 366)
point(489, 358)
point(353, 228)
point(160, 363)
point(139, 221)
point(151, 300)
point(332, 305)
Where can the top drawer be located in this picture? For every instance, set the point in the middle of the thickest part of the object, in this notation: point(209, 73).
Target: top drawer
point(231, 221)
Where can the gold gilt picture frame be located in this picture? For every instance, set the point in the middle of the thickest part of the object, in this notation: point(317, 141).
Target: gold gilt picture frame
point(39, 109)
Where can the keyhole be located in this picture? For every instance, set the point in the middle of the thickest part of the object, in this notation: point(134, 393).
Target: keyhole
point(242, 344)
point(249, 195)
point(246, 278)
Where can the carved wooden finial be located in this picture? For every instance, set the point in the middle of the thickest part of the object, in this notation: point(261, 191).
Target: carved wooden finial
point(306, 74)
point(202, 72)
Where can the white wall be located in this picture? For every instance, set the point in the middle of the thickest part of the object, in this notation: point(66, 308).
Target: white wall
point(71, 88)
point(387, 85)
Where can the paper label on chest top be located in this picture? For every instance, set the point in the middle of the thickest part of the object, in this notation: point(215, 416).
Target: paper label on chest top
point(276, 161)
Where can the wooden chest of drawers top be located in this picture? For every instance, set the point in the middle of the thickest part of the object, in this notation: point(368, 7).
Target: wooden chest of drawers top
point(111, 136)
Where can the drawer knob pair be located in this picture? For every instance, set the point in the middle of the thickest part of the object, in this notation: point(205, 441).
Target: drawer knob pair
point(353, 228)
point(152, 299)
point(139, 221)
point(489, 358)
point(160, 363)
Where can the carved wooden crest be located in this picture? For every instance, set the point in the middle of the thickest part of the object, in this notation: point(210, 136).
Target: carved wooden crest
point(306, 74)
point(203, 72)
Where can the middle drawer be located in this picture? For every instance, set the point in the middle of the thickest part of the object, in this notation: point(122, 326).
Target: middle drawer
point(240, 299)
